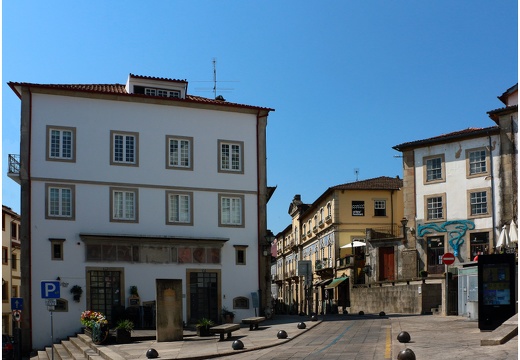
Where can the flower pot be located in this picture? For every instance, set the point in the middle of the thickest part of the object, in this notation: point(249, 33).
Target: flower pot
point(203, 331)
point(123, 336)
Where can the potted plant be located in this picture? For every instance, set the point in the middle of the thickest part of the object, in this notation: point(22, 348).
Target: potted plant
point(133, 299)
point(96, 325)
point(203, 326)
point(227, 315)
point(76, 292)
point(423, 273)
point(124, 331)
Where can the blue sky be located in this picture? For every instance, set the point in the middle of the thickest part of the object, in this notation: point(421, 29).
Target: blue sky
point(348, 79)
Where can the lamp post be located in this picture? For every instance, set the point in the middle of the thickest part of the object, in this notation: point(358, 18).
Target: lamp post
point(269, 238)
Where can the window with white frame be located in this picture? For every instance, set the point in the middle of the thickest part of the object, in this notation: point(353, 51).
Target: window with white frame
point(179, 152)
point(124, 146)
point(123, 204)
point(231, 210)
point(478, 202)
point(230, 156)
point(59, 201)
point(477, 162)
point(61, 143)
point(179, 205)
point(379, 207)
point(434, 169)
point(435, 208)
point(329, 210)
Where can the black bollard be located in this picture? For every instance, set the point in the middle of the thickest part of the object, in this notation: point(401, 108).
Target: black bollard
point(152, 354)
point(314, 317)
point(282, 334)
point(403, 337)
point(382, 313)
point(361, 313)
point(237, 345)
point(406, 354)
point(301, 325)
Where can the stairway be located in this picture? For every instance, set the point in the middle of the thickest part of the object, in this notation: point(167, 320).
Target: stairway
point(79, 347)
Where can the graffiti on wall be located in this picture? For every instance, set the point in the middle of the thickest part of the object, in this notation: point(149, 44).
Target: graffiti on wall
point(456, 230)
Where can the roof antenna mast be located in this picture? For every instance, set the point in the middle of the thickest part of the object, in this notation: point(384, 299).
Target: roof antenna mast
point(214, 78)
point(356, 172)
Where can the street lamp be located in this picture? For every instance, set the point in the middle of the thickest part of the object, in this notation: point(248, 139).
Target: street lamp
point(269, 238)
point(404, 222)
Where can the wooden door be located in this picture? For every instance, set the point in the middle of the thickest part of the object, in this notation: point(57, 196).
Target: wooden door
point(386, 263)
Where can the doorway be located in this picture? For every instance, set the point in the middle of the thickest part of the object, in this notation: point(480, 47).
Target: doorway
point(104, 291)
point(434, 254)
point(386, 263)
point(204, 296)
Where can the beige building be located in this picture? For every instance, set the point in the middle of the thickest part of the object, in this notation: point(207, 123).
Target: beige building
point(324, 252)
point(11, 279)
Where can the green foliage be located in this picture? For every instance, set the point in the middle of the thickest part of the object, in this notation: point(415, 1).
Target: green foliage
point(127, 325)
point(204, 322)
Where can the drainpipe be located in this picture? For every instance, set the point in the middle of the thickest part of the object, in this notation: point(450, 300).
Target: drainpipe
point(493, 217)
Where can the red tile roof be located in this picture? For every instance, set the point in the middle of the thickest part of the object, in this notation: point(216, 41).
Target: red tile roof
point(120, 89)
point(450, 137)
point(379, 183)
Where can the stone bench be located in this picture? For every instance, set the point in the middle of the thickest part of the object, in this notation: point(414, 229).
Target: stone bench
point(253, 322)
point(224, 329)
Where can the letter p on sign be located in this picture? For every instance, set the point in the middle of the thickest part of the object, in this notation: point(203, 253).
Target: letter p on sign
point(50, 289)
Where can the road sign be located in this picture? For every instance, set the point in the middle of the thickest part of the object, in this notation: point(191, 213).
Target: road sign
point(17, 315)
point(50, 289)
point(16, 304)
point(51, 302)
point(448, 258)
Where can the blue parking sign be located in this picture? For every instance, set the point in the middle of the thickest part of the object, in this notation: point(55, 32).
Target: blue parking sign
point(50, 289)
point(16, 304)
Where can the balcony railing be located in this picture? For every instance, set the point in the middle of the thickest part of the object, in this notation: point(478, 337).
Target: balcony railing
point(14, 164)
point(387, 232)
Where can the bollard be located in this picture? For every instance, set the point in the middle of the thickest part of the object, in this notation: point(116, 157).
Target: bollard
point(382, 313)
point(152, 354)
point(361, 313)
point(237, 345)
point(403, 337)
point(282, 334)
point(301, 325)
point(406, 354)
point(314, 317)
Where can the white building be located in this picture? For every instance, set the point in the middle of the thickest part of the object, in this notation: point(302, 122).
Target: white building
point(125, 184)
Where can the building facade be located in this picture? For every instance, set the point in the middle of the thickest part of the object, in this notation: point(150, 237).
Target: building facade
point(324, 253)
point(461, 188)
point(11, 277)
point(125, 184)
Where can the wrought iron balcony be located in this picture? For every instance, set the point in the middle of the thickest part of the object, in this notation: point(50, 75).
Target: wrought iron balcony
point(13, 170)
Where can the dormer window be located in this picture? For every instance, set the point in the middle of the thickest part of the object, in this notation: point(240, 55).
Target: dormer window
point(161, 92)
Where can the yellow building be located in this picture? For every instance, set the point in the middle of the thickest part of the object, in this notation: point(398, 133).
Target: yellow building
point(11, 279)
point(324, 251)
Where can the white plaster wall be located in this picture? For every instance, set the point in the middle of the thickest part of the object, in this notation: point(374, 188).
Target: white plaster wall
point(92, 175)
point(457, 184)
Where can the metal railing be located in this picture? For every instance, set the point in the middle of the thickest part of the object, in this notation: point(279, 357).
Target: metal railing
point(14, 164)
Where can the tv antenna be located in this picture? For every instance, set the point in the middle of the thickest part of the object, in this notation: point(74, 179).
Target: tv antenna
point(356, 172)
point(215, 83)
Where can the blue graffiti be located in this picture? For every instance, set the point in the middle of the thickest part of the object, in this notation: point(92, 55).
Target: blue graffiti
point(455, 235)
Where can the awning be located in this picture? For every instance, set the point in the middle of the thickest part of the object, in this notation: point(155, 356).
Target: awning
point(336, 282)
point(322, 282)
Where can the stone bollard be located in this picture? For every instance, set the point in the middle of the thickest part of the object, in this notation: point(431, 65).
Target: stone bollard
point(237, 345)
point(406, 354)
point(282, 334)
point(403, 337)
point(301, 325)
point(152, 354)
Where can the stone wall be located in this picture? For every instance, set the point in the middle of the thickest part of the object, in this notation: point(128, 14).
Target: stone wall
point(417, 298)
